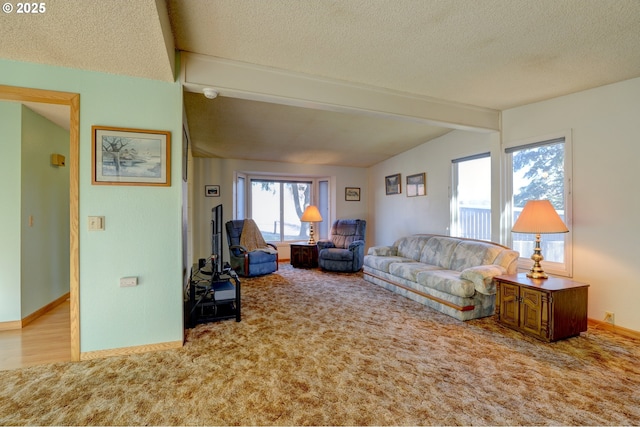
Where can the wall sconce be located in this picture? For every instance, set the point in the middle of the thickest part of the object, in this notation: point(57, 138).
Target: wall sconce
point(57, 160)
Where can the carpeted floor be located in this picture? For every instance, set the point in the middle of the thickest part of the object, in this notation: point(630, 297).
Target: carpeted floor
point(331, 349)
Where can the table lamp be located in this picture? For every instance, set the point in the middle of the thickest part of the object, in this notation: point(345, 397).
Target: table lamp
point(311, 214)
point(538, 217)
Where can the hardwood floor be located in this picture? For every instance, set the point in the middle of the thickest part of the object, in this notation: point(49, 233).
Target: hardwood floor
point(45, 340)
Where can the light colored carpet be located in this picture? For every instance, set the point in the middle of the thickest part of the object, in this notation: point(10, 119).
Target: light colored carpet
point(331, 349)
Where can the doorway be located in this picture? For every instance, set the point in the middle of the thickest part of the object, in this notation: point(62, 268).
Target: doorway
point(72, 100)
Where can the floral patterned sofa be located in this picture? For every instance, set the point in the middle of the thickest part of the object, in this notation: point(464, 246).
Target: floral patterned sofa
point(450, 274)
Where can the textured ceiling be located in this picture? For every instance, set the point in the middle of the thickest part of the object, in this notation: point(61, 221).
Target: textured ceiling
point(490, 53)
point(495, 54)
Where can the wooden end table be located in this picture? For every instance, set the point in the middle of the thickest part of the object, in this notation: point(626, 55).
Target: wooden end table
point(548, 309)
point(304, 255)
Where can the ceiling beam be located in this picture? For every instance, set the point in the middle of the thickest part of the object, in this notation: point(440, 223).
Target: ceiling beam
point(254, 82)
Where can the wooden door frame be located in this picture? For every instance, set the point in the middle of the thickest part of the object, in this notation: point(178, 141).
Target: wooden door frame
point(21, 94)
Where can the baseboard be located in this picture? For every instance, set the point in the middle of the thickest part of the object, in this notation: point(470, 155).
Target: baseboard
point(53, 304)
point(599, 324)
point(19, 324)
point(123, 351)
point(10, 326)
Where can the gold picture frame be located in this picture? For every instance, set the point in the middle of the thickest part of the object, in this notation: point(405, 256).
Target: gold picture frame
point(352, 194)
point(393, 184)
point(417, 185)
point(125, 156)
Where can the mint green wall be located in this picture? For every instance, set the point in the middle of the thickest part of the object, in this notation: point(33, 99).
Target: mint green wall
point(10, 118)
point(44, 259)
point(143, 224)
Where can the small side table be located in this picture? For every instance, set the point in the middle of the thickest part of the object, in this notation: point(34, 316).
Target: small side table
point(212, 296)
point(548, 309)
point(304, 255)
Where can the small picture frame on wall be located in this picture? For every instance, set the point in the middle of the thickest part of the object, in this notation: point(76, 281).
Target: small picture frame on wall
point(393, 184)
point(212, 191)
point(417, 185)
point(352, 194)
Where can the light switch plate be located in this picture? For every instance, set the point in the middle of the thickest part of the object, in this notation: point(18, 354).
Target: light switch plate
point(96, 223)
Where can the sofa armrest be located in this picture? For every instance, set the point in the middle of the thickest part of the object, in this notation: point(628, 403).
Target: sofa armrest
point(383, 251)
point(482, 277)
point(325, 244)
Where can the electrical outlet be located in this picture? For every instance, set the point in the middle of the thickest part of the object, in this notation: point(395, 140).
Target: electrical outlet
point(126, 282)
point(609, 317)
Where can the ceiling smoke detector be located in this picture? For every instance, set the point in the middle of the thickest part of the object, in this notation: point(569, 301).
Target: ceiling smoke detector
point(210, 92)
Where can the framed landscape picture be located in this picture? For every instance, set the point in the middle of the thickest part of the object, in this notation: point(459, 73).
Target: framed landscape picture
point(352, 194)
point(212, 190)
point(392, 184)
point(122, 156)
point(417, 185)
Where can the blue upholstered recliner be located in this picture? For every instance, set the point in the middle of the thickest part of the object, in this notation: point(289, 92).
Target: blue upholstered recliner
point(344, 251)
point(246, 262)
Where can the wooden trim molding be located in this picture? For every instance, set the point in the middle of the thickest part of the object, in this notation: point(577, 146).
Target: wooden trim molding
point(10, 326)
point(23, 94)
point(124, 351)
point(599, 324)
point(19, 324)
point(53, 304)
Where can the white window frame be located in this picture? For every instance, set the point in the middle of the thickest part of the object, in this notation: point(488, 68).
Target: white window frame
point(524, 263)
point(454, 220)
point(321, 229)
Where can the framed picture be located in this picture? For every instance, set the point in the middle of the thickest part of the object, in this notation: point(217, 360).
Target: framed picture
point(417, 185)
point(121, 156)
point(392, 184)
point(212, 190)
point(352, 194)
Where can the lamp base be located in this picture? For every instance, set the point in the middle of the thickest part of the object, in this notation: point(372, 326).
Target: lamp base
point(537, 274)
point(536, 271)
point(311, 241)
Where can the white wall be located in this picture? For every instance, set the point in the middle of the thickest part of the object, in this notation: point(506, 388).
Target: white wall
point(394, 216)
point(605, 125)
point(221, 172)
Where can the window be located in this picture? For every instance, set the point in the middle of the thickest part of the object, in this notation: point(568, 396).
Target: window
point(276, 205)
point(540, 170)
point(471, 197)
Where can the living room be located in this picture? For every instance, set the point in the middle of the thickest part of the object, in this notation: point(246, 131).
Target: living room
point(144, 226)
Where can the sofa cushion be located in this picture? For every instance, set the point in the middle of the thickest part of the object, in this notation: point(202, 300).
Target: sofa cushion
point(437, 251)
point(409, 270)
point(382, 263)
point(383, 251)
point(468, 254)
point(447, 281)
point(411, 246)
point(482, 277)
